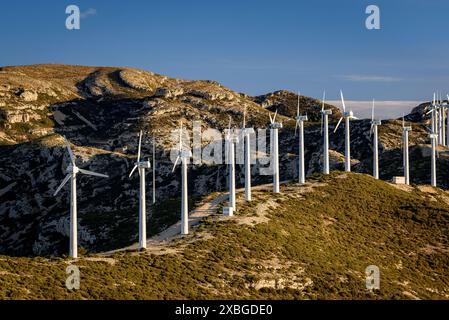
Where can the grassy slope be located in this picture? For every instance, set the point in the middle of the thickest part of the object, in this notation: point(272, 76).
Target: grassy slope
point(308, 242)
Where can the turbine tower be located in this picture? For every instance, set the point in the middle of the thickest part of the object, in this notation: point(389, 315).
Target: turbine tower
point(246, 132)
point(447, 121)
point(275, 126)
point(325, 129)
point(231, 140)
point(405, 132)
point(300, 124)
point(72, 171)
point(154, 170)
point(433, 165)
point(374, 124)
point(141, 166)
point(347, 115)
point(184, 156)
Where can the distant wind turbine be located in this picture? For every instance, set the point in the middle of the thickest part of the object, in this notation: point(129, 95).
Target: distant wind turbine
point(246, 132)
point(184, 156)
point(347, 115)
point(447, 121)
point(405, 132)
point(300, 124)
point(231, 140)
point(374, 124)
point(72, 171)
point(325, 132)
point(141, 166)
point(274, 130)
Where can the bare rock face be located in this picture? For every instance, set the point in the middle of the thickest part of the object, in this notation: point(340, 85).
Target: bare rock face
point(286, 103)
point(169, 92)
point(29, 96)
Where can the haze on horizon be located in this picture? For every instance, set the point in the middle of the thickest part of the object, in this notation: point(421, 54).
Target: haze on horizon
point(253, 47)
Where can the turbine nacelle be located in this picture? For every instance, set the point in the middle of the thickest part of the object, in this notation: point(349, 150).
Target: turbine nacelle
point(406, 128)
point(302, 118)
point(433, 135)
point(72, 169)
point(348, 114)
point(326, 112)
point(276, 125)
point(376, 122)
point(143, 164)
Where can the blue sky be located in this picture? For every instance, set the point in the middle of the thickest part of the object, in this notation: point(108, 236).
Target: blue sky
point(250, 46)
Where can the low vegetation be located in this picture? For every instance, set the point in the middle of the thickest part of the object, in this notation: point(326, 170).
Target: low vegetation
point(310, 242)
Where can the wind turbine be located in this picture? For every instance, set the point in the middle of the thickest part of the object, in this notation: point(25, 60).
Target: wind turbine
point(374, 124)
point(231, 140)
point(443, 123)
point(72, 171)
point(246, 132)
point(300, 124)
point(141, 166)
point(405, 131)
point(184, 156)
point(324, 128)
point(275, 126)
point(154, 170)
point(433, 165)
point(447, 121)
point(347, 115)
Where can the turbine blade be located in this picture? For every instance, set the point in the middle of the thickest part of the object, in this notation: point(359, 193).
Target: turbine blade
point(338, 124)
point(372, 112)
point(271, 119)
point(67, 178)
point(132, 171)
point(342, 101)
point(403, 121)
point(140, 146)
point(297, 111)
point(176, 163)
point(91, 173)
point(296, 127)
point(324, 98)
point(180, 136)
point(275, 114)
point(322, 123)
point(72, 157)
point(244, 117)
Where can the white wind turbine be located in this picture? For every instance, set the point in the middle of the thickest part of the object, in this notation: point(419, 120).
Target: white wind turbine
point(246, 132)
point(274, 131)
point(300, 124)
point(231, 140)
point(72, 171)
point(374, 124)
point(447, 120)
point(184, 156)
point(442, 118)
point(154, 170)
point(347, 115)
point(325, 129)
point(433, 164)
point(405, 132)
point(141, 166)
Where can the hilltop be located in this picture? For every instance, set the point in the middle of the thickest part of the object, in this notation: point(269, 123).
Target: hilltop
point(309, 242)
point(100, 110)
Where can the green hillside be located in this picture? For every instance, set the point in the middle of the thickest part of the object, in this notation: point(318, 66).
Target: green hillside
point(309, 242)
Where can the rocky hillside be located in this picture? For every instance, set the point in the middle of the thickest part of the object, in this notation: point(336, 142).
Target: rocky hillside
point(309, 242)
point(101, 110)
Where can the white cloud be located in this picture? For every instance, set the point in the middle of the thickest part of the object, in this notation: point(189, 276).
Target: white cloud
point(89, 12)
point(369, 78)
point(383, 109)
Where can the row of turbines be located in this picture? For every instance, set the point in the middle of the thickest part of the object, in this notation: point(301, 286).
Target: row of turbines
point(438, 110)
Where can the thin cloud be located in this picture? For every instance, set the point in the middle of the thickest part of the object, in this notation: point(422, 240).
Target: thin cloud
point(88, 13)
point(365, 78)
